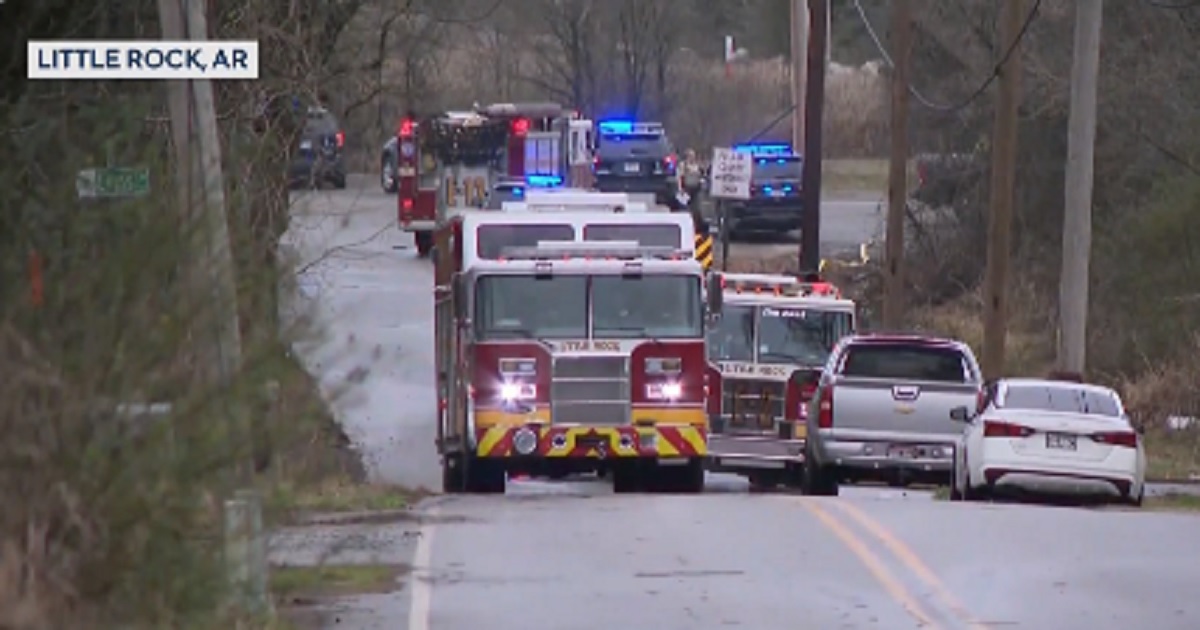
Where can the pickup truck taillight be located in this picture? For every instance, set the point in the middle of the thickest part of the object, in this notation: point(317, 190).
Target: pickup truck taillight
point(825, 408)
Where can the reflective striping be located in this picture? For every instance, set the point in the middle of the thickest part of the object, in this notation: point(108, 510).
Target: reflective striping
point(584, 442)
point(704, 250)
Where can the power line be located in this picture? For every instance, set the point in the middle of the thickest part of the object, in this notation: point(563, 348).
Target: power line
point(983, 87)
point(1173, 6)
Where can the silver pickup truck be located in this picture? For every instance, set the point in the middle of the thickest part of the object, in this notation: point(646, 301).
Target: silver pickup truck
point(882, 411)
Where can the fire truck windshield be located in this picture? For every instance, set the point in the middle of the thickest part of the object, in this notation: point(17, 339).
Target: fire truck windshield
point(768, 334)
point(658, 307)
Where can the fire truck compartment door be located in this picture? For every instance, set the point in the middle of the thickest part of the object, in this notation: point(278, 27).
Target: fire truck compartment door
point(543, 153)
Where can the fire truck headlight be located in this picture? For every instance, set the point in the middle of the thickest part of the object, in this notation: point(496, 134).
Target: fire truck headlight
point(510, 392)
point(525, 441)
point(664, 391)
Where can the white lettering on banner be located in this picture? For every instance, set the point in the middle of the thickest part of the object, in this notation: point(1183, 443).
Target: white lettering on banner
point(752, 369)
point(589, 346)
point(142, 60)
point(796, 313)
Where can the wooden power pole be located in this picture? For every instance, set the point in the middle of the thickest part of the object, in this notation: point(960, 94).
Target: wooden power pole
point(814, 105)
point(800, 27)
point(893, 290)
point(1077, 222)
point(198, 155)
point(1004, 164)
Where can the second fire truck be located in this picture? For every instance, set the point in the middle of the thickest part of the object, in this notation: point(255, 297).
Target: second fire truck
point(457, 159)
point(562, 354)
point(765, 354)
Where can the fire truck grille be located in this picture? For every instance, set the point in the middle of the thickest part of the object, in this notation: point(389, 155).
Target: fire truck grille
point(590, 390)
point(751, 404)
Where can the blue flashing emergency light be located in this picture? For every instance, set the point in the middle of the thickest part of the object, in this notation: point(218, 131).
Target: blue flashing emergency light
point(764, 149)
point(615, 127)
point(543, 181)
point(517, 191)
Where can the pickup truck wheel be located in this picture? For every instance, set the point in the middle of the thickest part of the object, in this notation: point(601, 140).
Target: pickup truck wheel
point(817, 481)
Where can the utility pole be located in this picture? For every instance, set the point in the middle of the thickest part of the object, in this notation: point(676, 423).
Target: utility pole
point(800, 25)
point(814, 105)
point(1004, 164)
point(893, 289)
point(198, 155)
point(1077, 222)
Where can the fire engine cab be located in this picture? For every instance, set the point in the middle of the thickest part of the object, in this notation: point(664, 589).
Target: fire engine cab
point(460, 159)
point(555, 353)
point(765, 354)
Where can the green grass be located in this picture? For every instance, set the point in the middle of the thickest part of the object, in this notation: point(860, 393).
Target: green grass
point(290, 583)
point(340, 496)
point(1174, 502)
point(857, 175)
point(1173, 456)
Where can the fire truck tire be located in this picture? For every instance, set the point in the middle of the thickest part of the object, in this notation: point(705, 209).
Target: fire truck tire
point(484, 476)
point(627, 477)
point(691, 476)
point(424, 241)
point(452, 475)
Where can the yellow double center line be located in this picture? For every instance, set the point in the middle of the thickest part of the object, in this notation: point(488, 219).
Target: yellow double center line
point(879, 570)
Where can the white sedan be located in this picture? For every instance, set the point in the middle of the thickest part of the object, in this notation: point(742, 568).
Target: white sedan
point(1048, 438)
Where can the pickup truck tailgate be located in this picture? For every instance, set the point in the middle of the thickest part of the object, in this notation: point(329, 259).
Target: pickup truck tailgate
point(919, 407)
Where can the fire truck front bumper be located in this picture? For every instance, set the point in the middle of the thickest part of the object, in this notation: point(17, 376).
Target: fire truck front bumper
point(659, 441)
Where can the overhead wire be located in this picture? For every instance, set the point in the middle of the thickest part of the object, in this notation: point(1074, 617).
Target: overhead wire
point(1173, 6)
point(979, 91)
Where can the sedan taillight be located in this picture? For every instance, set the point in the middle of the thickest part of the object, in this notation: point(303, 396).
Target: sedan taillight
point(1127, 439)
point(1000, 429)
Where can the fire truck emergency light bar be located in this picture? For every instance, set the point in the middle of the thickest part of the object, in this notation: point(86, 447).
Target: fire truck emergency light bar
point(618, 127)
point(779, 285)
point(622, 250)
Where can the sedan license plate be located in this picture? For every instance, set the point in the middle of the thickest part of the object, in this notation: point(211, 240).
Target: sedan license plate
point(632, 167)
point(306, 145)
point(1061, 442)
point(902, 452)
point(777, 193)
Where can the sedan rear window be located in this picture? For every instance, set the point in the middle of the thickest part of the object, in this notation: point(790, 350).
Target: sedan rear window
point(1062, 399)
point(943, 364)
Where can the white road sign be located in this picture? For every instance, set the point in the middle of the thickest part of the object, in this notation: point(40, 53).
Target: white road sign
point(731, 172)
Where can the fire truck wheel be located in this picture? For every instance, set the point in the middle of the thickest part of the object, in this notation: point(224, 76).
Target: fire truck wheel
point(485, 477)
point(424, 242)
point(627, 477)
point(691, 477)
point(452, 475)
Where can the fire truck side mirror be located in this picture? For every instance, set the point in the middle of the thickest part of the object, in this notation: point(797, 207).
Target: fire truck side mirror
point(716, 296)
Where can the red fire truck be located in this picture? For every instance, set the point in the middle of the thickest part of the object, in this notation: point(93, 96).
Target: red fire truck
point(765, 354)
point(457, 160)
point(566, 354)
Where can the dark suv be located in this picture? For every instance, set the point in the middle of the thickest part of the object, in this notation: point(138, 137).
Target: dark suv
point(775, 204)
point(637, 158)
point(318, 155)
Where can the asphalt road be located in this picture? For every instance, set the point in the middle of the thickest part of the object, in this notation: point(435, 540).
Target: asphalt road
point(565, 556)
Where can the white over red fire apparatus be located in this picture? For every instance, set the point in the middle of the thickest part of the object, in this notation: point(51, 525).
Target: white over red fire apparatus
point(765, 355)
point(559, 348)
point(457, 159)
